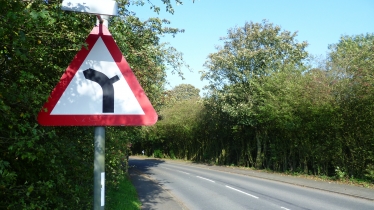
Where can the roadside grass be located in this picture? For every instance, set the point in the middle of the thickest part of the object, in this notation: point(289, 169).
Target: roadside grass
point(123, 198)
point(366, 183)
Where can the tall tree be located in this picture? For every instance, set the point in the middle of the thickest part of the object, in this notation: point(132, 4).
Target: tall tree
point(352, 54)
point(184, 92)
point(236, 71)
point(352, 60)
point(255, 49)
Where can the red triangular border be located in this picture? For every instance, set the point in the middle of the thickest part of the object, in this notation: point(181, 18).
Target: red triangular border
point(45, 118)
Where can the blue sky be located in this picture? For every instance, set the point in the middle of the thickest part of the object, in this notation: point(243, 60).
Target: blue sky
point(319, 22)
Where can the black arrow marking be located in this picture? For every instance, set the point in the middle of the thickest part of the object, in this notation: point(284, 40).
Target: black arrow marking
point(107, 86)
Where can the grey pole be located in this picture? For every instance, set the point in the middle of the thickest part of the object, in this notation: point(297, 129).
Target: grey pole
point(99, 159)
point(99, 168)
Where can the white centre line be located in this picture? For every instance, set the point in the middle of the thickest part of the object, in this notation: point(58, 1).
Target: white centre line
point(285, 208)
point(205, 179)
point(183, 172)
point(242, 192)
point(176, 170)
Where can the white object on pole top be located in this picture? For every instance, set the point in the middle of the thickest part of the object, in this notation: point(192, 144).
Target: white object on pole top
point(98, 7)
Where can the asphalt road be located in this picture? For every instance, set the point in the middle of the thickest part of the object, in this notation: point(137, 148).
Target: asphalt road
point(195, 186)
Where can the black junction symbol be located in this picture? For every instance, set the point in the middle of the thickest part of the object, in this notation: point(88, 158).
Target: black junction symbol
point(107, 86)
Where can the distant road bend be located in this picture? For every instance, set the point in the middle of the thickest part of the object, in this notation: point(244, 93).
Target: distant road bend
point(199, 187)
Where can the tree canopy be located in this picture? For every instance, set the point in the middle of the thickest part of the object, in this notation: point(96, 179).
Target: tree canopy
point(255, 49)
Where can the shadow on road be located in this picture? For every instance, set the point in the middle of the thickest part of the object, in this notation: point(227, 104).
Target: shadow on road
point(151, 194)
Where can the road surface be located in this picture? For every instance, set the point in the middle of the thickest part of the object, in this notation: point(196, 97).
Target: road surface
point(197, 187)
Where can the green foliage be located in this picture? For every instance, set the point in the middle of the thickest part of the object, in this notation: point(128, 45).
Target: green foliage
point(167, 137)
point(370, 172)
point(340, 174)
point(52, 167)
point(184, 92)
point(178, 94)
point(172, 155)
point(239, 70)
point(353, 54)
point(158, 153)
point(250, 51)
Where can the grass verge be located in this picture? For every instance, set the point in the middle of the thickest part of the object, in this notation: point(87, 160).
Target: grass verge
point(124, 197)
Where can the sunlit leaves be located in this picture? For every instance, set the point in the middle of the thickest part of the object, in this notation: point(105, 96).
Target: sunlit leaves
point(255, 49)
point(178, 127)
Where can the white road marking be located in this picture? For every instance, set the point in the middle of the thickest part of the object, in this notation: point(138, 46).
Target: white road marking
point(285, 208)
point(242, 192)
point(205, 179)
point(183, 172)
point(176, 170)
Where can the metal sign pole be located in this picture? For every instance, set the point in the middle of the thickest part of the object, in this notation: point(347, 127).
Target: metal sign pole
point(99, 168)
point(99, 159)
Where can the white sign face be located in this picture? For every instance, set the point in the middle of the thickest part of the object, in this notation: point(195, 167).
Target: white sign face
point(100, 7)
point(85, 97)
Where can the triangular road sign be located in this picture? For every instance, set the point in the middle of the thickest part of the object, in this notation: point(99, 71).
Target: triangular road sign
point(98, 89)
